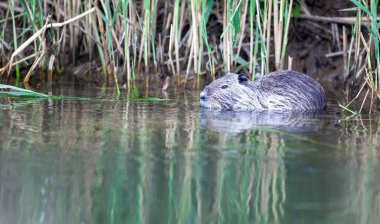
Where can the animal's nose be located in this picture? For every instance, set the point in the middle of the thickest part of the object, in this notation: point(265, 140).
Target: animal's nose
point(203, 96)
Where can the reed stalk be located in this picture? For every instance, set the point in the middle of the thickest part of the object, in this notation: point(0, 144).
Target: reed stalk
point(370, 61)
point(127, 43)
point(195, 34)
point(133, 37)
point(174, 42)
point(15, 45)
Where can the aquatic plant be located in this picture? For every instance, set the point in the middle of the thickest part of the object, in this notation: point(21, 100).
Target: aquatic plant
point(20, 92)
point(16, 92)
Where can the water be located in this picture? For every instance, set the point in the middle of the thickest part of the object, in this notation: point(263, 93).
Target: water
point(171, 162)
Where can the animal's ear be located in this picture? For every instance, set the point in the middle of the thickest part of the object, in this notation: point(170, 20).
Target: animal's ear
point(242, 78)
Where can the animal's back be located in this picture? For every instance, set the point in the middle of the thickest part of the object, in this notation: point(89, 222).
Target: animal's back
point(290, 90)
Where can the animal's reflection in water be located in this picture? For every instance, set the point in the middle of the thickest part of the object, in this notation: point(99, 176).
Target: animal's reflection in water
point(233, 122)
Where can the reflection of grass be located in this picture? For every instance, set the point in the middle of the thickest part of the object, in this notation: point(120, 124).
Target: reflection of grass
point(21, 103)
point(296, 136)
point(137, 169)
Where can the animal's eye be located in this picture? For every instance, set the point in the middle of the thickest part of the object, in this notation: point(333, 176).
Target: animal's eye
point(224, 86)
point(242, 78)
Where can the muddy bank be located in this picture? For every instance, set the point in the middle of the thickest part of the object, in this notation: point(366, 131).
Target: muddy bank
point(316, 46)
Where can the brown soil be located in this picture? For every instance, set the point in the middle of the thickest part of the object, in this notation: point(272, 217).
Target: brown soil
point(310, 41)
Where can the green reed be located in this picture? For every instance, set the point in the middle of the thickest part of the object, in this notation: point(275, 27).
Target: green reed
point(131, 37)
point(12, 6)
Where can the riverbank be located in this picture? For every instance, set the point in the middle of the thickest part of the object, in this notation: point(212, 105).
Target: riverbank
point(168, 44)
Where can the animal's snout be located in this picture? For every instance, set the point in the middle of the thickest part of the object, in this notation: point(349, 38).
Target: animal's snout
point(203, 95)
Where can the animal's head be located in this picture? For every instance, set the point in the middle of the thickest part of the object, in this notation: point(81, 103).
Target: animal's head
point(227, 93)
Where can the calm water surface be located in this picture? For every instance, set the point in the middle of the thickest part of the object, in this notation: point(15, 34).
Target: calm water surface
point(171, 162)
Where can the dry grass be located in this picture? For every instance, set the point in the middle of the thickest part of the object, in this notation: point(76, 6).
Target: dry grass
point(176, 37)
point(362, 55)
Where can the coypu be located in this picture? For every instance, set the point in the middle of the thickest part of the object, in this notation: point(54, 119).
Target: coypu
point(278, 91)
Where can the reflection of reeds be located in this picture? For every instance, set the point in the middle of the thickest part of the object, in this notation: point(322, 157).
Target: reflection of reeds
point(118, 162)
point(361, 184)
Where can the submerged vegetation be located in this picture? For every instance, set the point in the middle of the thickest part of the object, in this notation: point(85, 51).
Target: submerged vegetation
point(178, 39)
